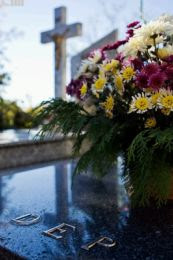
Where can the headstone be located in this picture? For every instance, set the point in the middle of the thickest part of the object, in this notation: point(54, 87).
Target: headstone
point(76, 60)
point(59, 35)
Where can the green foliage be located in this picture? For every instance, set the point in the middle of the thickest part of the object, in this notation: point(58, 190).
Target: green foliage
point(147, 153)
point(70, 118)
point(150, 165)
point(12, 116)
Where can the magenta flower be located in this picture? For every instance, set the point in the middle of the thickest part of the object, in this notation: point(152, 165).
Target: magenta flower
point(169, 59)
point(142, 80)
point(157, 80)
point(133, 24)
point(130, 32)
point(74, 88)
point(114, 46)
point(137, 63)
point(119, 56)
point(169, 73)
point(151, 68)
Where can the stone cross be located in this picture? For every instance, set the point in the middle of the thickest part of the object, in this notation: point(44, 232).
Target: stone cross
point(108, 39)
point(58, 35)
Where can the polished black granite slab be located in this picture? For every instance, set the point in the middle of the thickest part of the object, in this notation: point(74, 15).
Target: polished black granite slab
point(95, 207)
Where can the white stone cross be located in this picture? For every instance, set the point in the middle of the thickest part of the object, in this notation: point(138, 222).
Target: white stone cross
point(58, 35)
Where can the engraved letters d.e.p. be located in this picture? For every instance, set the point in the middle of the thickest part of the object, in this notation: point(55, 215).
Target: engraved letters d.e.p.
point(60, 229)
point(26, 220)
point(108, 243)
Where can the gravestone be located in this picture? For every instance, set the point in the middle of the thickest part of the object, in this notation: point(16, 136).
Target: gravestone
point(76, 60)
point(59, 35)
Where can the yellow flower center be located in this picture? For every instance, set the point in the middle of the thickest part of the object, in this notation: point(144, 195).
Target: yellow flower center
point(150, 122)
point(83, 89)
point(109, 103)
point(128, 73)
point(163, 53)
point(167, 102)
point(100, 83)
point(142, 103)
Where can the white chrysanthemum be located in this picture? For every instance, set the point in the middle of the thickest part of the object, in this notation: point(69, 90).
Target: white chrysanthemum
point(154, 27)
point(142, 36)
point(134, 45)
point(141, 103)
point(96, 57)
point(165, 100)
point(89, 63)
point(166, 18)
point(83, 68)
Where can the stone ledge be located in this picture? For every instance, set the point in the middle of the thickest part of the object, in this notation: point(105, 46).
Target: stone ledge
point(30, 152)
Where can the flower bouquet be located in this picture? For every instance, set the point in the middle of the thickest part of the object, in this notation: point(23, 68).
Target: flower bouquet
point(123, 106)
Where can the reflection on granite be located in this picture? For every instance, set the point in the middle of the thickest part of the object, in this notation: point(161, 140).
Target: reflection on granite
point(95, 207)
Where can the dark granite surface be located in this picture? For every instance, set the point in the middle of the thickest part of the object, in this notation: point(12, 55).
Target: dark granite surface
point(95, 207)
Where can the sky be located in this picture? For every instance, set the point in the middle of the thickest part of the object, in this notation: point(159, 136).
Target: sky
point(31, 64)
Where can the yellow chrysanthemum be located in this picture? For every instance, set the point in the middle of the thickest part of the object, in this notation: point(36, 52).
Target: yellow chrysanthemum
point(140, 103)
point(83, 89)
point(108, 106)
point(109, 103)
point(150, 122)
point(111, 66)
point(119, 83)
point(101, 73)
point(167, 102)
point(166, 111)
point(128, 73)
point(154, 98)
point(99, 84)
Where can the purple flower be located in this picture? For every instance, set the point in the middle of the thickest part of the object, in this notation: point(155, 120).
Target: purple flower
point(151, 68)
point(169, 59)
point(73, 88)
point(157, 80)
point(142, 80)
point(137, 63)
point(133, 24)
point(169, 73)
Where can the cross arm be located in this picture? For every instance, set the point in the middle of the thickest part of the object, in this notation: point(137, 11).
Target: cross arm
point(73, 30)
point(62, 30)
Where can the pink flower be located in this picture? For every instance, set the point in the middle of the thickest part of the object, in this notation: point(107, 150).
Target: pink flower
point(157, 80)
point(151, 68)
